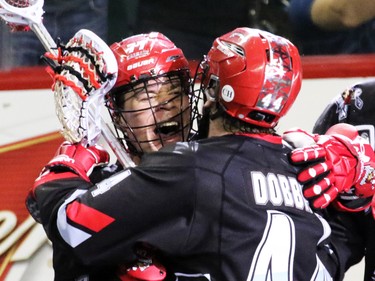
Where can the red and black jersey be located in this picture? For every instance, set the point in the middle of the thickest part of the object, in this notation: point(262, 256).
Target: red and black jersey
point(225, 208)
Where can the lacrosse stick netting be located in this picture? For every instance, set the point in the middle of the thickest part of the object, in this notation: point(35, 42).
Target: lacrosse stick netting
point(87, 71)
point(82, 79)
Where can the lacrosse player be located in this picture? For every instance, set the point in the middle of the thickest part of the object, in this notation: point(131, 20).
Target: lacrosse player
point(355, 106)
point(151, 104)
point(228, 207)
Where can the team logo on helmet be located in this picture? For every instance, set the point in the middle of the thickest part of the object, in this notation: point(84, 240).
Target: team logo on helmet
point(227, 93)
point(140, 63)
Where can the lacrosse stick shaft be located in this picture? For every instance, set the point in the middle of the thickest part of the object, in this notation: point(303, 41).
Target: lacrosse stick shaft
point(44, 37)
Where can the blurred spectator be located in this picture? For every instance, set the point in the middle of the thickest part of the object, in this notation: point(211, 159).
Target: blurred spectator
point(194, 24)
point(62, 19)
point(333, 26)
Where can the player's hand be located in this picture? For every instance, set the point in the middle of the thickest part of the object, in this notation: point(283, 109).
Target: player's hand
point(71, 161)
point(78, 159)
point(335, 164)
point(143, 270)
point(315, 173)
point(338, 170)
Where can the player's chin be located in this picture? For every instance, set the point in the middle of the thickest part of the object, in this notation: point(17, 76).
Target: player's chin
point(165, 140)
point(172, 138)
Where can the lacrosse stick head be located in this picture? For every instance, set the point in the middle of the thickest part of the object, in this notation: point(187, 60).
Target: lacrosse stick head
point(21, 13)
point(150, 102)
point(87, 71)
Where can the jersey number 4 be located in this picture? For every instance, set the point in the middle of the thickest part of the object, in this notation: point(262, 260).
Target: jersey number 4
point(274, 257)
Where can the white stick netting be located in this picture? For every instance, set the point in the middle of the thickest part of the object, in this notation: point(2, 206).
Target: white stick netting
point(88, 72)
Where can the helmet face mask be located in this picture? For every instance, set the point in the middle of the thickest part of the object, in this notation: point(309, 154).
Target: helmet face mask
point(150, 104)
point(153, 112)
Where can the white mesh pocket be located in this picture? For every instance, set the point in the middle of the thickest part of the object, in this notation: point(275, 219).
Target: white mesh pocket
point(88, 72)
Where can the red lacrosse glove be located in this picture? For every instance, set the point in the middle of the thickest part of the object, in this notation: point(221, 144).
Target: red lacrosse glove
point(337, 163)
point(74, 158)
point(144, 272)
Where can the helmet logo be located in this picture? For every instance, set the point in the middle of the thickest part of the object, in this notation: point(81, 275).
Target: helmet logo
point(227, 93)
point(225, 50)
point(172, 58)
point(140, 45)
point(240, 35)
point(140, 64)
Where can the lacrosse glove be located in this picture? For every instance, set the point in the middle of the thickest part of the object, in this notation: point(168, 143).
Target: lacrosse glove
point(72, 160)
point(337, 164)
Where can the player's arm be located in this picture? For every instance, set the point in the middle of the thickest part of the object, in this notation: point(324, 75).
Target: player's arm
point(335, 165)
point(88, 220)
point(71, 167)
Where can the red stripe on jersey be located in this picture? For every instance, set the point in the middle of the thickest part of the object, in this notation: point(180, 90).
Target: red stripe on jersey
point(88, 217)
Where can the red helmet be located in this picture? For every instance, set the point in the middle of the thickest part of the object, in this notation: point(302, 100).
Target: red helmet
point(257, 75)
point(142, 60)
point(145, 55)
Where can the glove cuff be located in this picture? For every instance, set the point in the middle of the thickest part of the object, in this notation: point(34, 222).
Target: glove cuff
point(354, 205)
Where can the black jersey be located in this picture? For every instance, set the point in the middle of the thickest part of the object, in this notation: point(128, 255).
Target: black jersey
point(355, 106)
point(225, 208)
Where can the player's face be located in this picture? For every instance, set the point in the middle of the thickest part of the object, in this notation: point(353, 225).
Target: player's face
point(156, 114)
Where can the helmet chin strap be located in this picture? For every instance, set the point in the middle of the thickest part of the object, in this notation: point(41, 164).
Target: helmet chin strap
point(216, 111)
